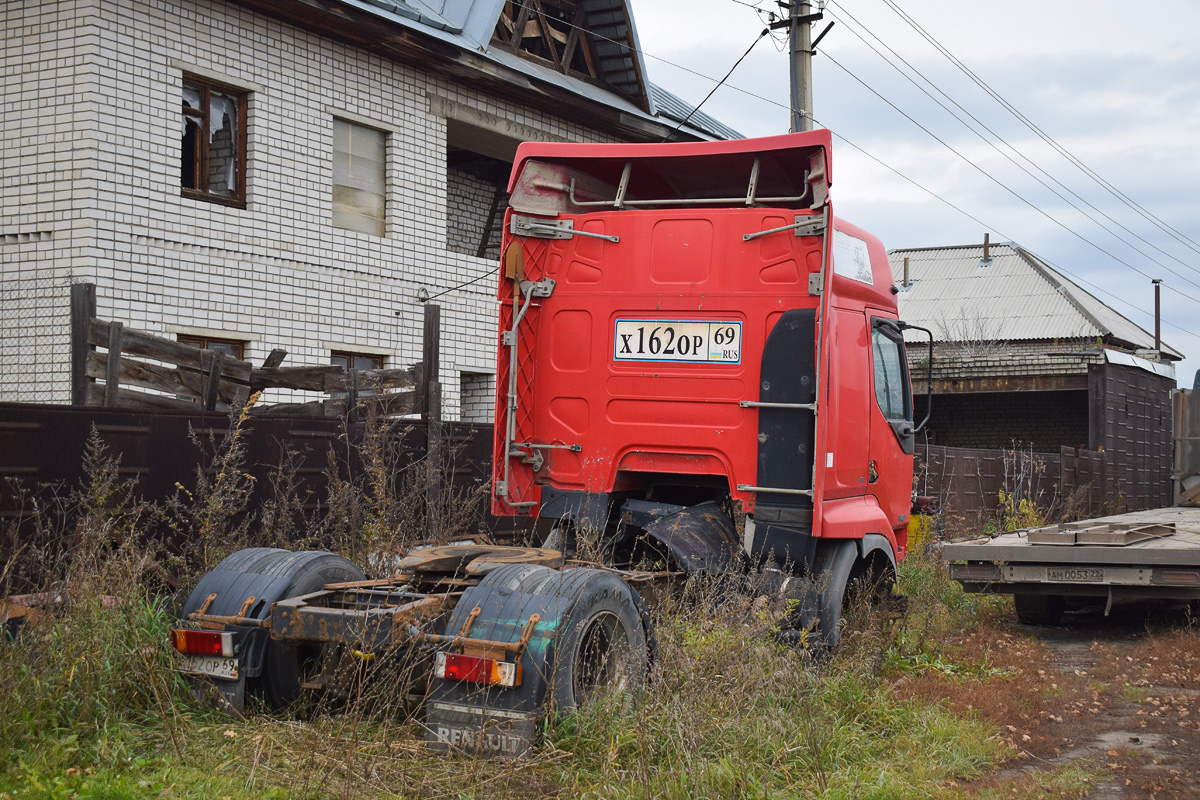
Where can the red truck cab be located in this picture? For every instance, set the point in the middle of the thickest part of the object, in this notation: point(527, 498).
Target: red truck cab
point(684, 324)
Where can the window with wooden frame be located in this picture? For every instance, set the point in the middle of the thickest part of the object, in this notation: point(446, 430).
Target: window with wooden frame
point(347, 360)
point(213, 147)
point(233, 348)
point(359, 177)
point(553, 32)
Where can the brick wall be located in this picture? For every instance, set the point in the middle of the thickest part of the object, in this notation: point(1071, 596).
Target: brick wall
point(468, 200)
point(478, 397)
point(91, 93)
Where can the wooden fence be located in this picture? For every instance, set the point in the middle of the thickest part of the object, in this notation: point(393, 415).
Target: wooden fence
point(134, 369)
point(1186, 472)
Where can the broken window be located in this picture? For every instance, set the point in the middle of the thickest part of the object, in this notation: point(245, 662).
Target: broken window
point(213, 150)
point(359, 185)
point(347, 360)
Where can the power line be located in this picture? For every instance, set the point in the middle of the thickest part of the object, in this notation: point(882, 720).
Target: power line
point(976, 220)
point(477, 279)
point(997, 181)
point(720, 83)
point(1128, 201)
point(1021, 155)
point(928, 191)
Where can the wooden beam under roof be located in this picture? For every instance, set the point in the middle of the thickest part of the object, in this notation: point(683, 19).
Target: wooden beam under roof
point(365, 29)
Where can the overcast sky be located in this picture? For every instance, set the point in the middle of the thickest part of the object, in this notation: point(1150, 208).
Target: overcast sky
point(1116, 86)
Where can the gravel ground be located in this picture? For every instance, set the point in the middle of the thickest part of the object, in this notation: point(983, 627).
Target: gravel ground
point(1121, 694)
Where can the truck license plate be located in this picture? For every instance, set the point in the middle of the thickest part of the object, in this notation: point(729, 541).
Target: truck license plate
point(678, 340)
point(216, 666)
point(1075, 574)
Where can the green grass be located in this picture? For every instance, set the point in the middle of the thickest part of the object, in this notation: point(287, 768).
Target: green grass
point(94, 709)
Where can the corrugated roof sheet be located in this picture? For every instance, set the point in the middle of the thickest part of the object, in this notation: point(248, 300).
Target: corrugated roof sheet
point(670, 106)
point(1016, 297)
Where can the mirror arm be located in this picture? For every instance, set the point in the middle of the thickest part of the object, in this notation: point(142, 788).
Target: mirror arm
point(904, 326)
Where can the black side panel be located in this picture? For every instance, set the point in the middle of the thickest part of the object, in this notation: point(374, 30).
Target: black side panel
point(785, 435)
point(585, 509)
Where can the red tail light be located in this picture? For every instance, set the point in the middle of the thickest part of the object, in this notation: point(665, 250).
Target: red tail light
point(489, 671)
point(202, 643)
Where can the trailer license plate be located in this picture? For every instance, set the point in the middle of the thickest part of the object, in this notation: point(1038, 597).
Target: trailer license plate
point(216, 666)
point(678, 340)
point(1075, 574)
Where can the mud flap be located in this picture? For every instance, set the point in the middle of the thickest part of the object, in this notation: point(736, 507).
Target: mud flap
point(700, 538)
point(492, 720)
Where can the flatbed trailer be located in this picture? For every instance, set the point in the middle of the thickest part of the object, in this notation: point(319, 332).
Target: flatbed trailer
point(1141, 555)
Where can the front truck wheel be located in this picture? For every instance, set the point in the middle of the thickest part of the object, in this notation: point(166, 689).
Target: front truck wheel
point(839, 582)
point(590, 642)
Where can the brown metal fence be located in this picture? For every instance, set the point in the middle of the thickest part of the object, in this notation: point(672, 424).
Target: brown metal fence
point(966, 483)
point(42, 449)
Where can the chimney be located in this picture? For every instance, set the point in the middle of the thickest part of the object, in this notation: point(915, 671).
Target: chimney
point(987, 251)
point(1157, 316)
point(905, 284)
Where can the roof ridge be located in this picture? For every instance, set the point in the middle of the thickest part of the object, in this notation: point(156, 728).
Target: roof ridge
point(1012, 245)
point(1042, 269)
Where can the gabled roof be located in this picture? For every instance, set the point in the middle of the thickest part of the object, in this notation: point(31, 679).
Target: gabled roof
point(614, 51)
point(1015, 296)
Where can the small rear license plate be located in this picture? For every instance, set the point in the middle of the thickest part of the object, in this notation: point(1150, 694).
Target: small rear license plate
point(1075, 574)
point(701, 341)
point(216, 666)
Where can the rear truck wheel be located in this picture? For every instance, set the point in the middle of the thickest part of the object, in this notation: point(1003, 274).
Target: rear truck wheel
point(589, 640)
point(244, 586)
point(288, 665)
point(1039, 609)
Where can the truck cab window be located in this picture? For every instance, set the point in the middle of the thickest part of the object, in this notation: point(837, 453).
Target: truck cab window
point(887, 354)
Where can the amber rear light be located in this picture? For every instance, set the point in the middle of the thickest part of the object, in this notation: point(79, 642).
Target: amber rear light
point(473, 669)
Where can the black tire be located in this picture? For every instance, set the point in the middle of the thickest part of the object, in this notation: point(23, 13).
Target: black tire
point(1039, 609)
point(240, 563)
point(602, 648)
point(591, 640)
point(833, 566)
point(287, 664)
point(246, 560)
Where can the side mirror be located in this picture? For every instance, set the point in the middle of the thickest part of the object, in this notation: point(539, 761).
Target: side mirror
point(904, 326)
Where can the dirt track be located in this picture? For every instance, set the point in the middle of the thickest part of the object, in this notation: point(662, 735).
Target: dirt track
point(1120, 694)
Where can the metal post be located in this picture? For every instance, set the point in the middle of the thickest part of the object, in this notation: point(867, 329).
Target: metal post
point(1157, 315)
point(800, 40)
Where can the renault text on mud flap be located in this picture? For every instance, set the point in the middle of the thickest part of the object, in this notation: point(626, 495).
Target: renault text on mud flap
point(718, 342)
point(481, 739)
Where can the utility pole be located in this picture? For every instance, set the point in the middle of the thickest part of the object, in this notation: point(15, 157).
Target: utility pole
point(800, 39)
point(799, 24)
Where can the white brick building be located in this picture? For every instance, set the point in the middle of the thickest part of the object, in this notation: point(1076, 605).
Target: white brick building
point(262, 237)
